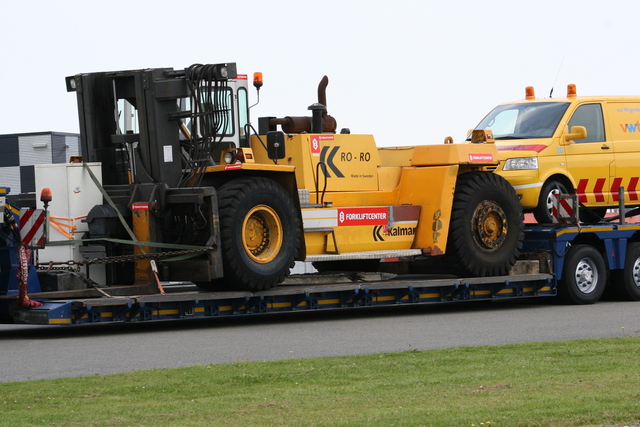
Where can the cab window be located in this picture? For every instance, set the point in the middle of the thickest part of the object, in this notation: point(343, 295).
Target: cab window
point(219, 108)
point(589, 116)
point(243, 115)
point(215, 112)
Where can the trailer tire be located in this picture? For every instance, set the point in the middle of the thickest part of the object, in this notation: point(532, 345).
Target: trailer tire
point(584, 275)
point(260, 231)
point(626, 282)
point(487, 226)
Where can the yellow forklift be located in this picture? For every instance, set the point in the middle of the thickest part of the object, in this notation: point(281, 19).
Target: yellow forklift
point(208, 198)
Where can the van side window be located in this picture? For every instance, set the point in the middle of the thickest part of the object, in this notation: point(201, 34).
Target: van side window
point(589, 116)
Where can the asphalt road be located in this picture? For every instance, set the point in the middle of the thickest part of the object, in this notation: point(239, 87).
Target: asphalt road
point(30, 353)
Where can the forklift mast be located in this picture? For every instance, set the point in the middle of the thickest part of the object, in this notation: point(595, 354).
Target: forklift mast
point(160, 125)
point(155, 131)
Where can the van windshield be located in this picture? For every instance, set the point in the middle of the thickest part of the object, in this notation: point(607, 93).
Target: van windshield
point(524, 120)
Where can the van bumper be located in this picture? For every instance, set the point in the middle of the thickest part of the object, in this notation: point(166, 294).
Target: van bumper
point(527, 186)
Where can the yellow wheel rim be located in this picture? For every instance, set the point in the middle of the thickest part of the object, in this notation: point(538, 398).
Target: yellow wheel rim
point(262, 234)
point(489, 226)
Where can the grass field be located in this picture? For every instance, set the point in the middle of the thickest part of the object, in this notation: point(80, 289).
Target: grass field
point(572, 383)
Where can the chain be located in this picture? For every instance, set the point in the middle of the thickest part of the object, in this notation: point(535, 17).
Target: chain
point(59, 266)
point(118, 259)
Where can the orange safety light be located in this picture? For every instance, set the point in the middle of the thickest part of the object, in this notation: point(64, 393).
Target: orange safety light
point(529, 93)
point(257, 80)
point(571, 91)
point(45, 196)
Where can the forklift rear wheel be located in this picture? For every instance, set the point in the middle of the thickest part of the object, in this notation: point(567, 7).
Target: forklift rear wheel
point(260, 232)
point(487, 228)
point(584, 275)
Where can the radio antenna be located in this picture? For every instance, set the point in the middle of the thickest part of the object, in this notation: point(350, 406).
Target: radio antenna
point(556, 79)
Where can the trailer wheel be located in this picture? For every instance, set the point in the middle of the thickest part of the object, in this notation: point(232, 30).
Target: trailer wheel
point(626, 282)
point(543, 213)
point(584, 275)
point(260, 232)
point(487, 228)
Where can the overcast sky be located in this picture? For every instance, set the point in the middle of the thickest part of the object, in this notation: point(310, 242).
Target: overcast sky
point(408, 72)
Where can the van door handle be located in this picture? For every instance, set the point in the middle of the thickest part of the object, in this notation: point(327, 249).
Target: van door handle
point(605, 147)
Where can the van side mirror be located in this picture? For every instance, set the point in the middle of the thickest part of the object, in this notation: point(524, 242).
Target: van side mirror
point(275, 145)
point(577, 132)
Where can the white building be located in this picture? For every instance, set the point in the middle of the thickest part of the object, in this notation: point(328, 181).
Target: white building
point(20, 151)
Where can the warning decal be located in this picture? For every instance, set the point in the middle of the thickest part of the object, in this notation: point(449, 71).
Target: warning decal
point(363, 216)
point(315, 142)
point(481, 158)
point(139, 206)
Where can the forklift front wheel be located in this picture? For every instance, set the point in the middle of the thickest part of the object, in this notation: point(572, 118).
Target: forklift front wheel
point(260, 231)
point(262, 234)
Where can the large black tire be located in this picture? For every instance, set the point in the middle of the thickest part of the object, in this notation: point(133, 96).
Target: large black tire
point(584, 275)
point(487, 226)
point(626, 282)
point(260, 233)
point(543, 213)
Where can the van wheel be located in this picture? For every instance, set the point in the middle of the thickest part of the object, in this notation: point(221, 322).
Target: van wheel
point(543, 213)
point(626, 282)
point(487, 228)
point(584, 275)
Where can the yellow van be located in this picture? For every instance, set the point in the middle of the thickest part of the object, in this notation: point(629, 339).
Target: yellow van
point(584, 145)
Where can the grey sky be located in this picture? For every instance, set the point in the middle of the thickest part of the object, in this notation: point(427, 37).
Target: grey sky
point(407, 72)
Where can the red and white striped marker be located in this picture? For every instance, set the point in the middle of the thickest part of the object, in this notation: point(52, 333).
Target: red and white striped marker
point(32, 227)
point(562, 210)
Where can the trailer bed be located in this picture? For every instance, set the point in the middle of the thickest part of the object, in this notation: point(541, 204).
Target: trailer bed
point(184, 300)
point(540, 275)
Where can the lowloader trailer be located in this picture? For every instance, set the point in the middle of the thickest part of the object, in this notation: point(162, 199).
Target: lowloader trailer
point(575, 262)
point(187, 302)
